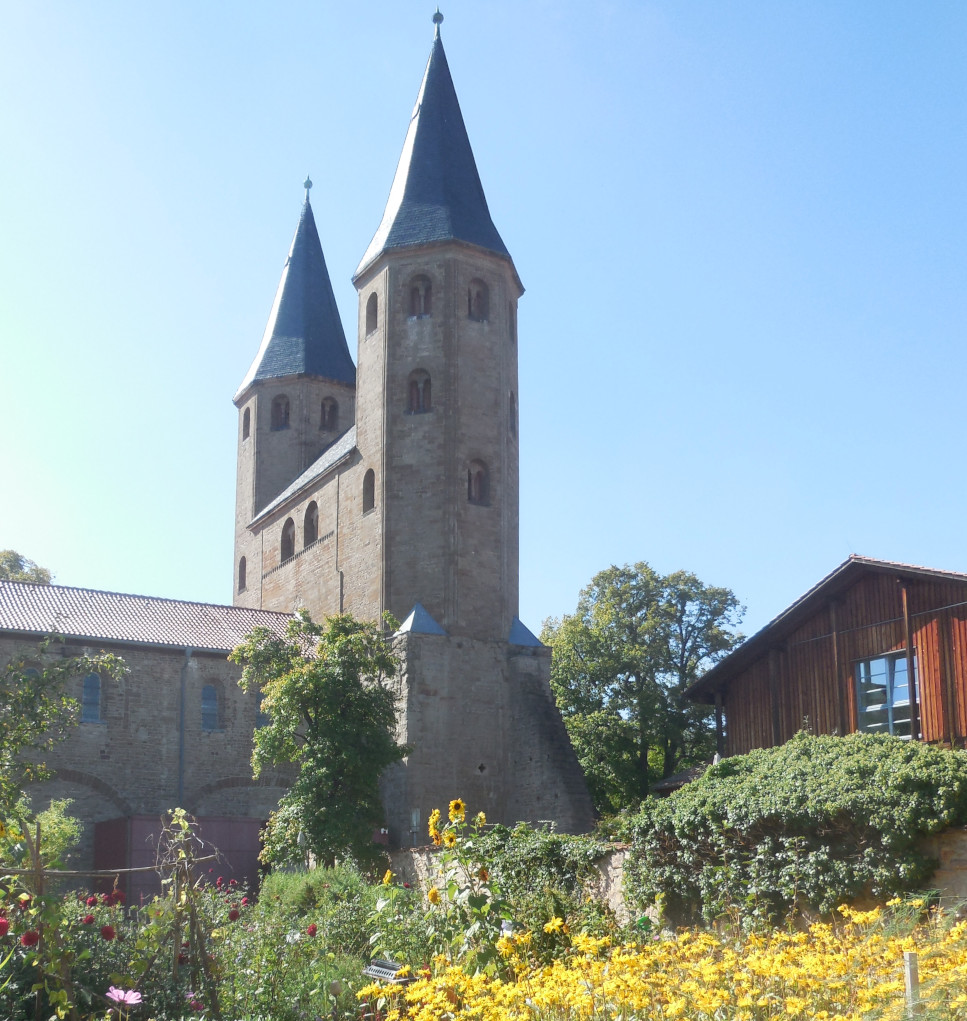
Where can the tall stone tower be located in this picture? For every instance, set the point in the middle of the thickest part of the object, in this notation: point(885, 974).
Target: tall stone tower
point(414, 507)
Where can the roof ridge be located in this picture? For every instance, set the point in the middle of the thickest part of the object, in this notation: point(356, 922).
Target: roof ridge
point(136, 595)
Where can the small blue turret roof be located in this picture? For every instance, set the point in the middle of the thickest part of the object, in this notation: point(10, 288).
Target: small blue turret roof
point(304, 335)
point(436, 194)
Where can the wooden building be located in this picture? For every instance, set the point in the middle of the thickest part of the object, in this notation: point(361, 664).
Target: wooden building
point(841, 657)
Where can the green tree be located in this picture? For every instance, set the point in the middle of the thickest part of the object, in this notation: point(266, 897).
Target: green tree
point(14, 567)
point(37, 711)
point(622, 662)
point(329, 712)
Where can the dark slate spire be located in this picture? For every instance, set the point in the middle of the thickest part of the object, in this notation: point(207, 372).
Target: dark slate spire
point(304, 335)
point(436, 194)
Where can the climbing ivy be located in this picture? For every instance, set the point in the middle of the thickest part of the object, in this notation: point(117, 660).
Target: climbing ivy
point(809, 825)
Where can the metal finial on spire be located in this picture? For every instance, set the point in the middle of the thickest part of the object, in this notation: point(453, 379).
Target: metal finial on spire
point(307, 184)
point(438, 19)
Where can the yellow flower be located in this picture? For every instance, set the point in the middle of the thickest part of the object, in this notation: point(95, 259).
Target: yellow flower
point(388, 877)
point(449, 838)
point(480, 820)
point(457, 810)
point(554, 924)
point(433, 895)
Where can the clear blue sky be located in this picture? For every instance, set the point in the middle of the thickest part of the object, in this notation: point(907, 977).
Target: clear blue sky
point(742, 227)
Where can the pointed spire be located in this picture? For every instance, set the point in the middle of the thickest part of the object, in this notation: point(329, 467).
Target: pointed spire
point(304, 335)
point(436, 194)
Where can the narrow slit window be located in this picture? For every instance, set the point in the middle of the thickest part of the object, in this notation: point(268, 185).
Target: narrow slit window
point(287, 548)
point(91, 699)
point(209, 707)
point(369, 490)
point(372, 313)
point(280, 413)
point(310, 531)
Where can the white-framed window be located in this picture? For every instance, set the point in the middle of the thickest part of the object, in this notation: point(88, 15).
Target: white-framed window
point(883, 694)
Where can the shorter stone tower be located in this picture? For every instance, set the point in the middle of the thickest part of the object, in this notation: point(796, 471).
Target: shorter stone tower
point(415, 506)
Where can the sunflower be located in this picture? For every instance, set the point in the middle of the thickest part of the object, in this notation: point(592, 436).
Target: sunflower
point(457, 810)
point(433, 895)
point(449, 838)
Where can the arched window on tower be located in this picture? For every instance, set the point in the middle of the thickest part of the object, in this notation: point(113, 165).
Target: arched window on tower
point(478, 483)
point(287, 550)
point(369, 490)
point(91, 699)
point(246, 423)
point(478, 301)
point(280, 412)
point(329, 415)
point(372, 310)
point(419, 398)
point(512, 412)
point(241, 574)
point(420, 295)
point(310, 530)
point(209, 708)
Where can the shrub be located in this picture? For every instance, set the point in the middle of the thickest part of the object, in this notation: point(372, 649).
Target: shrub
point(814, 823)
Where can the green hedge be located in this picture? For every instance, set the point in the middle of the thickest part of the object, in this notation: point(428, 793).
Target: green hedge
point(812, 824)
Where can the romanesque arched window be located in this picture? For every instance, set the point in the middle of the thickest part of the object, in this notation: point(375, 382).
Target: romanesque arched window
point(369, 490)
point(310, 530)
point(280, 412)
point(241, 574)
point(287, 549)
point(478, 483)
point(372, 313)
point(419, 397)
point(209, 707)
point(91, 699)
point(420, 293)
point(246, 423)
point(329, 415)
point(478, 301)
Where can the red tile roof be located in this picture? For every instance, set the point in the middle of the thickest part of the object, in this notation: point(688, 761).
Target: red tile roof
point(117, 617)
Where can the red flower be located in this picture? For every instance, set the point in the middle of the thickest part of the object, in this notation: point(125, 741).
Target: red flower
point(30, 938)
point(220, 881)
point(88, 919)
point(117, 897)
point(312, 930)
point(4, 927)
point(182, 958)
point(233, 882)
point(233, 915)
point(91, 901)
point(107, 932)
point(23, 903)
point(244, 901)
point(106, 899)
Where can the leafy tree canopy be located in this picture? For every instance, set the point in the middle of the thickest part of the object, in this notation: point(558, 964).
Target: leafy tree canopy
point(14, 567)
point(622, 662)
point(329, 712)
point(36, 711)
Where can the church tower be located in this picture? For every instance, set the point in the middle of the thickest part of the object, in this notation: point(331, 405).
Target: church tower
point(438, 379)
point(413, 503)
point(296, 398)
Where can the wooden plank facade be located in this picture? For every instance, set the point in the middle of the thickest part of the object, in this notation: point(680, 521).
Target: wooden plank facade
point(839, 660)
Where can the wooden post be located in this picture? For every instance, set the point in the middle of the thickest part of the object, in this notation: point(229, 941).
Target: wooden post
point(911, 976)
point(844, 727)
point(719, 729)
point(911, 676)
point(774, 696)
point(947, 688)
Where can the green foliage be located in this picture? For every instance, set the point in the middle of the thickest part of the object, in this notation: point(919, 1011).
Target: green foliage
point(812, 824)
point(14, 567)
point(62, 834)
point(36, 711)
point(330, 714)
point(621, 665)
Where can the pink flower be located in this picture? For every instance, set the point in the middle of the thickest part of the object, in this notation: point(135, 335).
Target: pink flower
point(107, 932)
point(244, 901)
point(88, 919)
point(30, 938)
point(312, 930)
point(129, 996)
